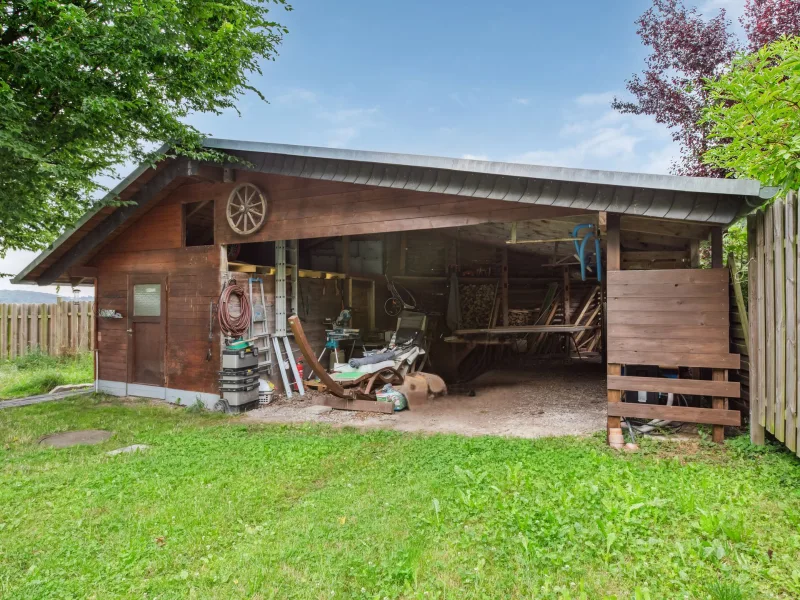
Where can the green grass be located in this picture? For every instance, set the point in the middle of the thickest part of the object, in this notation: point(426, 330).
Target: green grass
point(220, 509)
point(38, 373)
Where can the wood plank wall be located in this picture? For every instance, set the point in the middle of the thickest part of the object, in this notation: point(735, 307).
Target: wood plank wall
point(56, 329)
point(303, 208)
point(774, 322)
point(153, 245)
point(671, 317)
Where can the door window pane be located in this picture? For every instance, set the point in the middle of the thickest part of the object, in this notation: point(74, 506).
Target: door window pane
point(147, 300)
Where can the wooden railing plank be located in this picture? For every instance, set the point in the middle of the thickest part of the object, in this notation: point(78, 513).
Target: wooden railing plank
point(676, 359)
point(691, 387)
point(683, 414)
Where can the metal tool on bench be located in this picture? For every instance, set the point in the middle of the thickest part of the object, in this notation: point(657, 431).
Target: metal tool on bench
point(340, 331)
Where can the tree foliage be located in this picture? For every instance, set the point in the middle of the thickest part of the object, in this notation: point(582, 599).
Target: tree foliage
point(754, 115)
point(86, 85)
point(686, 49)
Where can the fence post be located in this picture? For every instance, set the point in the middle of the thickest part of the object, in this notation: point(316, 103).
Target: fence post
point(756, 343)
point(3, 331)
point(791, 323)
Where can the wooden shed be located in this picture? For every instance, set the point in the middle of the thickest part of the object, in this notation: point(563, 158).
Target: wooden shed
point(518, 242)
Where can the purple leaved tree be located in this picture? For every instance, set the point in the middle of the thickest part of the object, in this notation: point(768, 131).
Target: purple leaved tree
point(685, 49)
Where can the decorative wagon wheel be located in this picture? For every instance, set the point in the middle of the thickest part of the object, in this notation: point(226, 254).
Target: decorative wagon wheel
point(247, 209)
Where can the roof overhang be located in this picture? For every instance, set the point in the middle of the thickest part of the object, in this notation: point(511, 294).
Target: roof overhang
point(696, 199)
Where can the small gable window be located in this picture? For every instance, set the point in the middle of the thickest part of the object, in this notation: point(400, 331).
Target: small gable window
point(198, 223)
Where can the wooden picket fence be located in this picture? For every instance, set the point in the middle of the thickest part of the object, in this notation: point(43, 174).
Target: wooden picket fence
point(56, 329)
point(774, 315)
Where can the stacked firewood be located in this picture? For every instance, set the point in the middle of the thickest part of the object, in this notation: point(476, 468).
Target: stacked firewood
point(477, 304)
point(520, 317)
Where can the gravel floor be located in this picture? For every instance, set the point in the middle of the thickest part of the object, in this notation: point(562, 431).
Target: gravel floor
point(537, 400)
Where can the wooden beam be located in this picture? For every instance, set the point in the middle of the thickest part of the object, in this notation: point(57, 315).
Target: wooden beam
point(675, 413)
point(83, 272)
point(613, 263)
point(720, 402)
point(147, 195)
point(567, 297)
point(675, 359)
point(346, 254)
point(716, 247)
point(690, 387)
point(360, 405)
point(403, 251)
point(504, 286)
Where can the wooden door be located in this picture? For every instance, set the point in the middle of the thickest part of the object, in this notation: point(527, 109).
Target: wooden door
point(147, 320)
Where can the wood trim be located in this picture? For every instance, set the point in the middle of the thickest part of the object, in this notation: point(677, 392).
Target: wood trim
point(676, 359)
point(145, 197)
point(691, 387)
point(361, 405)
point(710, 416)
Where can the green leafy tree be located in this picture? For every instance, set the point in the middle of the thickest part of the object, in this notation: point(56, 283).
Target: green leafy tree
point(754, 116)
point(86, 85)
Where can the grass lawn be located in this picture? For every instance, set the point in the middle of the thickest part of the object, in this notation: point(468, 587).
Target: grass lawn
point(38, 373)
point(220, 509)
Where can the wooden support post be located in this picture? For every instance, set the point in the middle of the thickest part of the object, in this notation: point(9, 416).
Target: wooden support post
point(694, 254)
point(567, 298)
point(346, 254)
point(718, 435)
point(504, 287)
point(716, 247)
point(613, 263)
point(756, 344)
point(371, 306)
point(3, 331)
point(403, 250)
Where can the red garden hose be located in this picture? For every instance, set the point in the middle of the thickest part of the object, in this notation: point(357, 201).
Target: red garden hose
point(233, 326)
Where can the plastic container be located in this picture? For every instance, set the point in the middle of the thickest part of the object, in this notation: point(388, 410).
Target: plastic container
point(265, 392)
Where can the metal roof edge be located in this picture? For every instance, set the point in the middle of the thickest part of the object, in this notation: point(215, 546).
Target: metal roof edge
point(118, 189)
point(678, 183)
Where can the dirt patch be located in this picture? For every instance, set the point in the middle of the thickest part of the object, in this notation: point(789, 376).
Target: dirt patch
point(535, 401)
point(83, 437)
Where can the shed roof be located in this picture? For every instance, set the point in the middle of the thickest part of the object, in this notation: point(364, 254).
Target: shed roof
point(697, 199)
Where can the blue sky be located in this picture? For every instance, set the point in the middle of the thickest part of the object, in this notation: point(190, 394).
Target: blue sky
point(515, 80)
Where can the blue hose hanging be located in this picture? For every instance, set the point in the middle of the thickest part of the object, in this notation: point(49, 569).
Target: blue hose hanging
point(581, 249)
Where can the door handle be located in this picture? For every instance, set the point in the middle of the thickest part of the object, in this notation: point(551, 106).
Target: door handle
point(130, 330)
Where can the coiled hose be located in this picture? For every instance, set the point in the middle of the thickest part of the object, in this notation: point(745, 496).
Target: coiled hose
point(233, 326)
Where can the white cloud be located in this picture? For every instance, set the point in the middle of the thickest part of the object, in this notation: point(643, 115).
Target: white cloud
point(297, 95)
point(348, 123)
point(522, 101)
point(341, 136)
point(593, 136)
point(475, 157)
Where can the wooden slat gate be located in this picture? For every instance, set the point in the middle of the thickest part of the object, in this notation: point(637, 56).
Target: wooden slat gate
point(56, 329)
point(773, 310)
point(671, 318)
